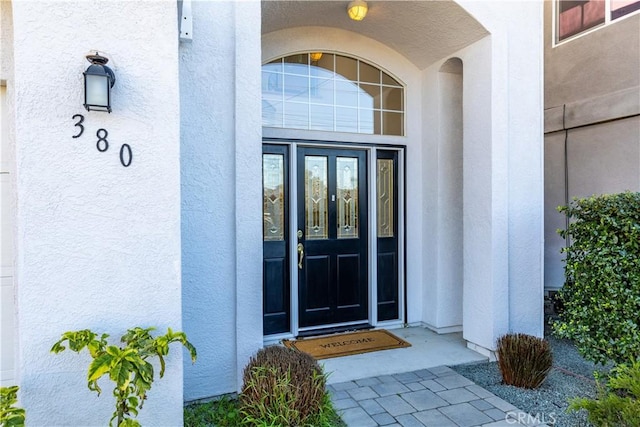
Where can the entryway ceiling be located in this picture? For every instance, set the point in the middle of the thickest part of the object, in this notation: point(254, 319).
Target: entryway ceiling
point(424, 31)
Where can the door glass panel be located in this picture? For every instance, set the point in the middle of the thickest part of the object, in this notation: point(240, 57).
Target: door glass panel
point(315, 197)
point(347, 197)
point(385, 198)
point(273, 196)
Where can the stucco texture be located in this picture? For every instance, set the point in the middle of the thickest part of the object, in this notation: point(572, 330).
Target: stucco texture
point(98, 244)
point(221, 170)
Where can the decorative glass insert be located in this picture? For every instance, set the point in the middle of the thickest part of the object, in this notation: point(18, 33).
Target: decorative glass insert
point(347, 197)
point(385, 198)
point(330, 92)
point(273, 196)
point(315, 197)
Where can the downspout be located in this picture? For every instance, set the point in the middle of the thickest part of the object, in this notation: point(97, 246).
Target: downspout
point(566, 169)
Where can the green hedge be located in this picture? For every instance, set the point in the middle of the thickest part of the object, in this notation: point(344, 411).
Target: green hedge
point(601, 295)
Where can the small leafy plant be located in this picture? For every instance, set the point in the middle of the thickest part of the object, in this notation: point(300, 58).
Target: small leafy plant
point(618, 403)
point(127, 366)
point(285, 387)
point(10, 415)
point(524, 360)
point(222, 412)
point(601, 294)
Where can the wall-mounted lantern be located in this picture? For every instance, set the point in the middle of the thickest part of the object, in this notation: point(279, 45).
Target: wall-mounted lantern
point(98, 81)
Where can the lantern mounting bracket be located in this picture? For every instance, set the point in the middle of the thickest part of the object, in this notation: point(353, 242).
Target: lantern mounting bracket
point(97, 59)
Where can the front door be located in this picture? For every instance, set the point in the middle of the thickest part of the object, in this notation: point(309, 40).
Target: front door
point(332, 236)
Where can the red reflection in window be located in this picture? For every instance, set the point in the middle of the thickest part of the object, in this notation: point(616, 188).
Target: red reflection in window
point(578, 16)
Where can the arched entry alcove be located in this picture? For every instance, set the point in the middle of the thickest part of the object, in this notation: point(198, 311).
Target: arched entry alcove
point(410, 40)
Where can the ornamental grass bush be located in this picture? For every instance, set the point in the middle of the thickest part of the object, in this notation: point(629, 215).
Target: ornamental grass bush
point(601, 294)
point(524, 360)
point(285, 387)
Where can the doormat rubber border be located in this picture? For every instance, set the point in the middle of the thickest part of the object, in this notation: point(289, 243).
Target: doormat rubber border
point(347, 344)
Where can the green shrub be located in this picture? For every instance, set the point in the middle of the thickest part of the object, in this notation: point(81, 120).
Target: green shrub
point(10, 415)
point(601, 295)
point(284, 387)
point(617, 404)
point(127, 366)
point(222, 412)
point(524, 360)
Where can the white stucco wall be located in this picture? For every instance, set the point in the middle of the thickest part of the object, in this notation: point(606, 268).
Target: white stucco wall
point(221, 171)
point(510, 158)
point(526, 171)
point(443, 202)
point(502, 182)
point(8, 326)
point(97, 244)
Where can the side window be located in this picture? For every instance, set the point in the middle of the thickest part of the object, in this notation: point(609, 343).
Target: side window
point(620, 8)
point(574, 17)
point(329, 92)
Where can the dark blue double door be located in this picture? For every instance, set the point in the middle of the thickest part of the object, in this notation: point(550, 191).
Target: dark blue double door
point(330, 241)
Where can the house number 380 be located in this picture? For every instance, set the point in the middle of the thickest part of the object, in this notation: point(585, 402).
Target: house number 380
point(102, 143)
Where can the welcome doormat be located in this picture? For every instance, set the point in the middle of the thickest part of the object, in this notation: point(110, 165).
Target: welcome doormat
point(347, 344)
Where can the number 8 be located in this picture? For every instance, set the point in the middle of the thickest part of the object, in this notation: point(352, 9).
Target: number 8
point(102, 138)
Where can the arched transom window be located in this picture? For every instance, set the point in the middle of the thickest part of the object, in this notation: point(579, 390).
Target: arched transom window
point(329, 92)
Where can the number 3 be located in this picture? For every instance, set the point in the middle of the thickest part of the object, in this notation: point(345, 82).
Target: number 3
point(79, 124)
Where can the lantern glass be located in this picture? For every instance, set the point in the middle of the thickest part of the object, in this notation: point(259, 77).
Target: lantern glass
point(97, 91)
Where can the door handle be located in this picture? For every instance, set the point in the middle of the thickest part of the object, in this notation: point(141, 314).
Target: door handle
point(300, 255)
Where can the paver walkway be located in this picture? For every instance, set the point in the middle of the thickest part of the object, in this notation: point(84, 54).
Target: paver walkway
point(434, 397)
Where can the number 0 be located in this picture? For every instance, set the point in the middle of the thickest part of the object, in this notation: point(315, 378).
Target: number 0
point(125, 159)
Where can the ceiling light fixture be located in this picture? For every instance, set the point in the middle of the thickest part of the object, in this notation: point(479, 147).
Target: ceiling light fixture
point(357, 10)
